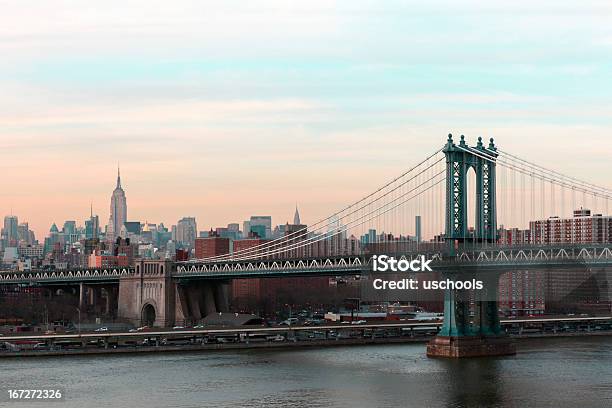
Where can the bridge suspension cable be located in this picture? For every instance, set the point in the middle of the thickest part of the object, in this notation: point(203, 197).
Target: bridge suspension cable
point(372, 215)
point(360, 205)
point(558, 187)
point(546, 174)
point(423, 185)
point(544, 169)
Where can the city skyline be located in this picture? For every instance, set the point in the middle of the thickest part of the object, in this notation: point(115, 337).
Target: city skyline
point(220, 112)
point(118, 202)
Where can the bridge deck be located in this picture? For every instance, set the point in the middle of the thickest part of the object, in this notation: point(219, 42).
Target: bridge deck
point(481, 259)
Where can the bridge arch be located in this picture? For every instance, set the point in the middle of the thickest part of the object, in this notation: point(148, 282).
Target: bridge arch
point(148, 314)
point(470, 191)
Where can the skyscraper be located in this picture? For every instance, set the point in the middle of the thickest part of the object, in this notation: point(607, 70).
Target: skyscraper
point(186, 231)
point(69, 227)
point(262, 224)
point(296, 217)
point(10, 231)
point(23, 231)
point(92, 226)
point(118, 210)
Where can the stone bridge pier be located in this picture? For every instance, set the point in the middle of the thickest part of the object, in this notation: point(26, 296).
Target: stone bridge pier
point(152, 297)
point(198, 299)
point(98, 298)
point(471, 325)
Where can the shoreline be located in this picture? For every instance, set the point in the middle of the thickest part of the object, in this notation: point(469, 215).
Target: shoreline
point(301, 344)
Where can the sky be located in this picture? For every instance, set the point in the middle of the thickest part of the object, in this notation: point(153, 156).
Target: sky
point(221, 110)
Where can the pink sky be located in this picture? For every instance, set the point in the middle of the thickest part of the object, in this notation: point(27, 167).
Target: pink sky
point(222, 180)
point(223, 110)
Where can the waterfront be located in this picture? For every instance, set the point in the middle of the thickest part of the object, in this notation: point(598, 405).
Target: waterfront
point(549, 372)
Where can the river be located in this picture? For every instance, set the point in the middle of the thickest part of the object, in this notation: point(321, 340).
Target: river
point(573, 372)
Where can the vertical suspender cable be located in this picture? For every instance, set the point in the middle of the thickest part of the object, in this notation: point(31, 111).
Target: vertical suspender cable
point(523, 198)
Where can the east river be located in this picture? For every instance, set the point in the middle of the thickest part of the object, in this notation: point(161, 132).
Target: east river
point(573, 372)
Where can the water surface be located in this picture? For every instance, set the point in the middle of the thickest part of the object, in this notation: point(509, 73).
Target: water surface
point(545, 373)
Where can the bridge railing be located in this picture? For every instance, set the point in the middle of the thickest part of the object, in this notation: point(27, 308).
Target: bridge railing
point(83, 274)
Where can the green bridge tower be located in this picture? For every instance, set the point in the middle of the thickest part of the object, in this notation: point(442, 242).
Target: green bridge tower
point(459, 160)
point(466, 334)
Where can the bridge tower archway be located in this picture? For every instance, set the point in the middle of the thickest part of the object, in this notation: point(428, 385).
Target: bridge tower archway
point(148, 315)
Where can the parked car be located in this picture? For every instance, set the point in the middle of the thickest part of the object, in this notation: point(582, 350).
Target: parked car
point(102, 329)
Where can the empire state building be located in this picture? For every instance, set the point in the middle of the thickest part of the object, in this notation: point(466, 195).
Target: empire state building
point(118, 211)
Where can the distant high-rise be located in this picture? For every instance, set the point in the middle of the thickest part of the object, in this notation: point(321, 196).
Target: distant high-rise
point(52, 239)
point(246, 229)
point(262, 224)
point(92, 226)
point(69, 227)
point(186, 231)
point(118, 210)
point(10, 232)
point(296, 217)
point(417, 229)
point(24, 233)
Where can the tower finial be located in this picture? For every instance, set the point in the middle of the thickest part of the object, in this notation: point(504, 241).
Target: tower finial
point(118, 176)
point(492, 144)
point(296, 216)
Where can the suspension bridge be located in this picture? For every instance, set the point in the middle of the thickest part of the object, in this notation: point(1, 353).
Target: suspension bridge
point(513, 202)
point(468, 208)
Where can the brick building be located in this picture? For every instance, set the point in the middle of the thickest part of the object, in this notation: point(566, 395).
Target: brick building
point(213, 245)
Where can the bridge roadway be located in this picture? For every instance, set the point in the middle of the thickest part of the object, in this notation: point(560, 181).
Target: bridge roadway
point(480, 259)
point(169, 333)
point(260, 337)
point(69, 276)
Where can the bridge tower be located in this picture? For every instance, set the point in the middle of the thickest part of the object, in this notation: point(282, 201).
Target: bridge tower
point(463, 335)
point(459, 160)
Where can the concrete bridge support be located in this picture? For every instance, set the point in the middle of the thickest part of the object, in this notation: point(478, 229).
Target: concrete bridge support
point(147, 297)
point(89, 297)
point(99, 299)
point(152, 297)
point(82, 297)
point(194, 300)
point(209, 298)
point(198, 299)
point(110, 304)
point(222, 297)
point(471, 322)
